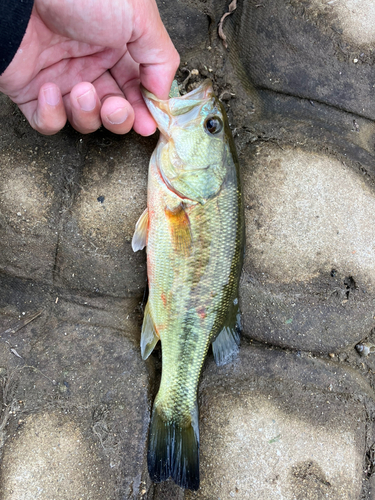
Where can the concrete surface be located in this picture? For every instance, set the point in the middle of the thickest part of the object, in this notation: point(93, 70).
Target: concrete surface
point(293, 416)
point(261, 442)
point(356, 18)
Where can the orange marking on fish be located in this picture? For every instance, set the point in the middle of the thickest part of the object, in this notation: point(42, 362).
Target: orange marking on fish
point(159, 328)
point(164, 299)
point(202, 312)
point(179, 226)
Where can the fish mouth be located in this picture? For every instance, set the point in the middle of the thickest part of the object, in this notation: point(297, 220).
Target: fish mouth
point(203, 92)
point(164, 110)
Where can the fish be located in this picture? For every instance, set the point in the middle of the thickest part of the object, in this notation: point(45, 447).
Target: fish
point(193, 230)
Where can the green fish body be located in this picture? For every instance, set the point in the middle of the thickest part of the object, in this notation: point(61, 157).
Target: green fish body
point(194, 231)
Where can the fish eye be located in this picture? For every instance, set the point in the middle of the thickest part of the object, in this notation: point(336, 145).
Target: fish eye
point(213, 124)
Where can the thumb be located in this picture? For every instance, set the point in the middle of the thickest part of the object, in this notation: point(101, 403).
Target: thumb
point(152, 48)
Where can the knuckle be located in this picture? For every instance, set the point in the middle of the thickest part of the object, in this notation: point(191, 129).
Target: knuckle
point(46, 128)
point(46, 123)
point(85, 124)
point(84, 129)
point(176, 59)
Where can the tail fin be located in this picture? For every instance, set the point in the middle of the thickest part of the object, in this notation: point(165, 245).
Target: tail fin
point(173, 451)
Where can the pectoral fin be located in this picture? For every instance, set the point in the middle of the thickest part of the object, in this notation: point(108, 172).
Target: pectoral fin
point(179, 227)
point(149, 337)
point(226, 345)
point(139, 240)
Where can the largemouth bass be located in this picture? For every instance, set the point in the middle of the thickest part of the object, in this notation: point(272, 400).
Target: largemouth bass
point(194, 232)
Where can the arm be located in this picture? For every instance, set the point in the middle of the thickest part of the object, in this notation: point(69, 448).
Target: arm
point(14, 17)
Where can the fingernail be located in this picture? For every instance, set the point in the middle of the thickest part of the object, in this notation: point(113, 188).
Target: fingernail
point(87, 101)
point(52, 95)
point(118, 116)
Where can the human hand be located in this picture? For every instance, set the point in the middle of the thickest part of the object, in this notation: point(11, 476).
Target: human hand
point(84, 60)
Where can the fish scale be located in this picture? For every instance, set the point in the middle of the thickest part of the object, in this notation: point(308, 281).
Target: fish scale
point(193, 227)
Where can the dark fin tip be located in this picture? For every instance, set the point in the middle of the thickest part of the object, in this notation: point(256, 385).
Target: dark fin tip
point(173, 451)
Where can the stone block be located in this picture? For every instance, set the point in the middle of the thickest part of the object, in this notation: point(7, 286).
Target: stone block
point(31, 175)
point(308, 276)
point(306, 49)
point(81, 381)
point(94, 252)
point(52, 459)
point(279, 426)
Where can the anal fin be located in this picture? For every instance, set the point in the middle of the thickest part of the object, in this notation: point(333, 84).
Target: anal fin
point(139, 240)
point(149, 337)
point(226, 345)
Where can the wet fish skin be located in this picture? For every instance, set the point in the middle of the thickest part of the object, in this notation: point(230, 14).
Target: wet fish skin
point(194, 231)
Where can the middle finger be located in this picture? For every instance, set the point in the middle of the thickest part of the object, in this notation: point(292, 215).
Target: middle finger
point(83, 108)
